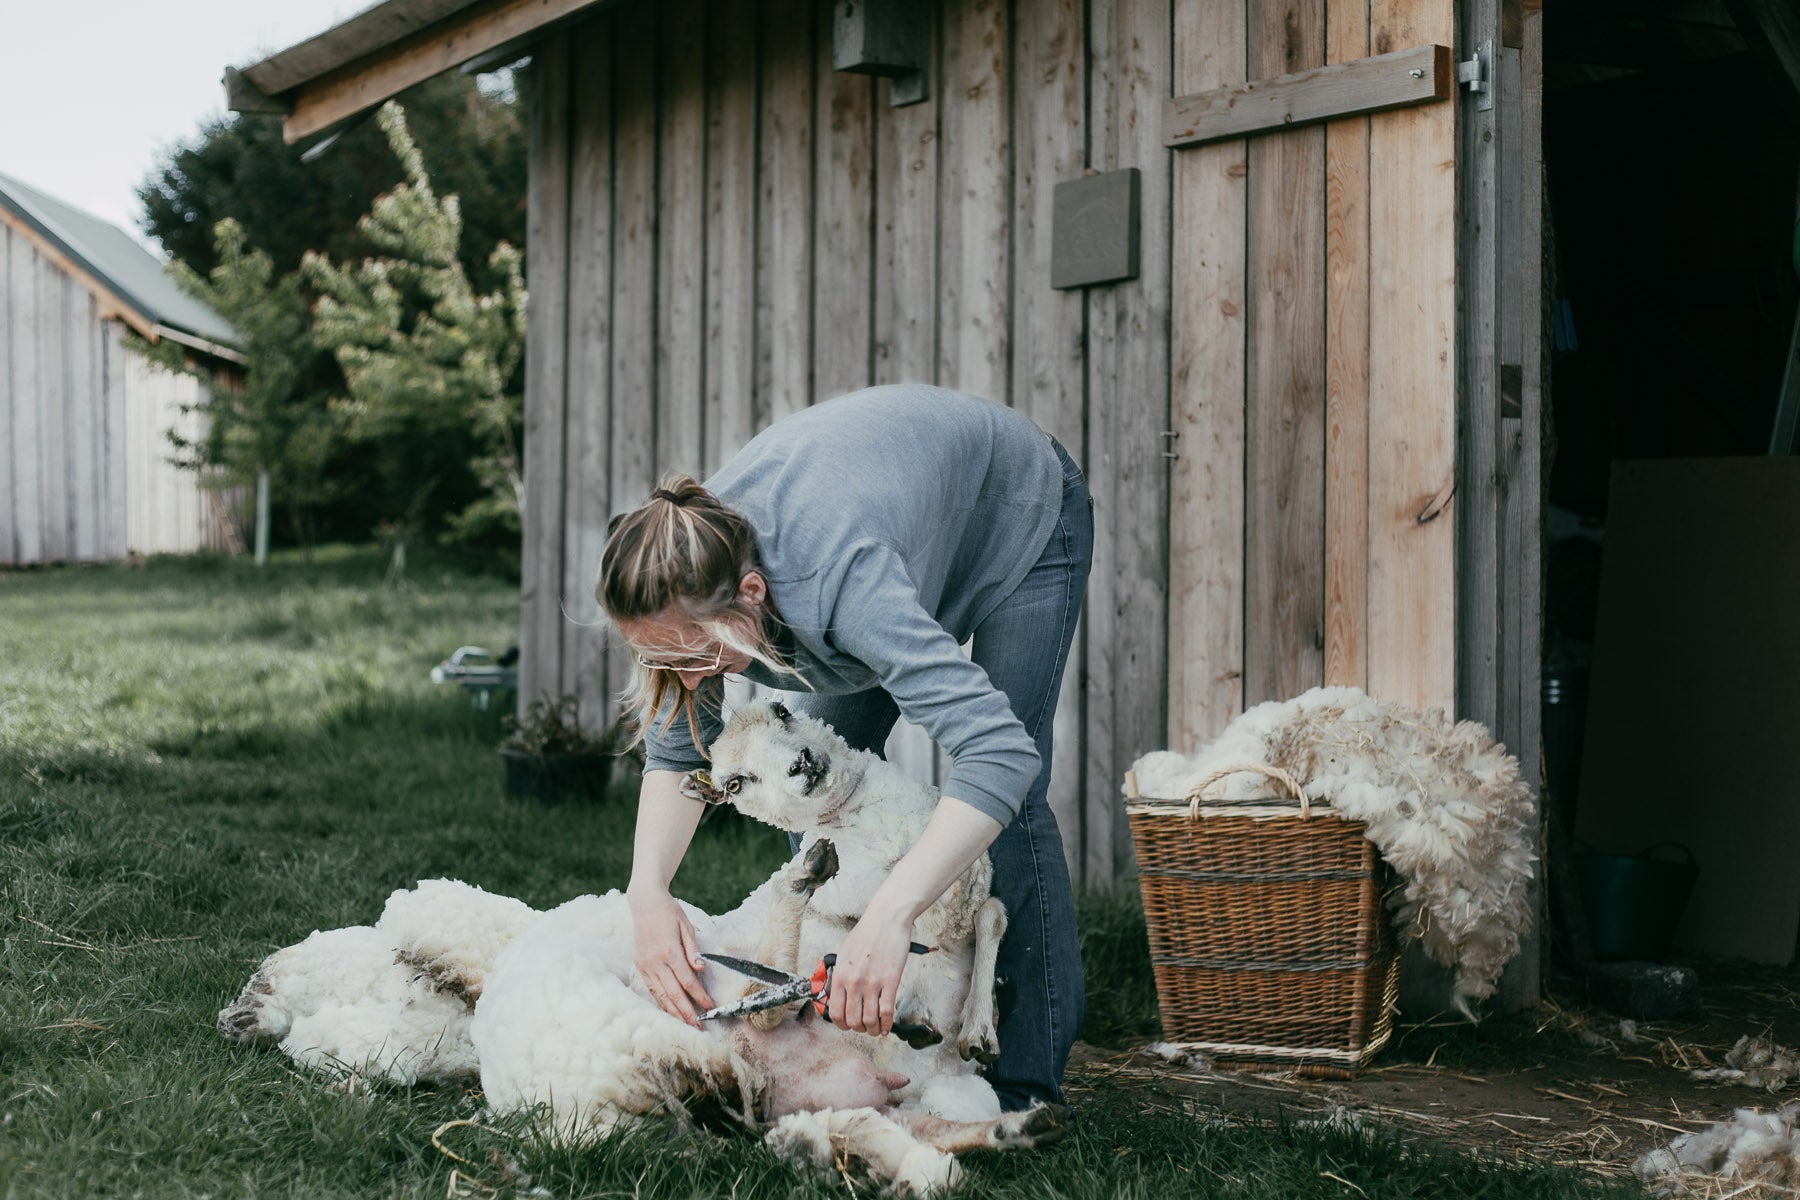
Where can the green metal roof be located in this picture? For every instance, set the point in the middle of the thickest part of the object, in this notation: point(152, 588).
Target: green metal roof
point(114, 258)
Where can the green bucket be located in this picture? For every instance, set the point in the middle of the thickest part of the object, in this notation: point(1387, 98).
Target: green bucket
point(1634, 902)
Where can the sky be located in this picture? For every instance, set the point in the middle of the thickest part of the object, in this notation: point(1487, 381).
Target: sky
point(92, 89)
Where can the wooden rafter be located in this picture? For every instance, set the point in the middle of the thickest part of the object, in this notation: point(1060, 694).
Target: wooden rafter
point(356, 86)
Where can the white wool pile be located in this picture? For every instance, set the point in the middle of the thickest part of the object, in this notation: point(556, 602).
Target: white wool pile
point(1755, 1062)
point(1754, 1146)
point(1443, 802)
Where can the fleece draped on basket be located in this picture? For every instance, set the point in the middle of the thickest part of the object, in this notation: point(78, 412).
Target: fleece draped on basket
point(1442, 800)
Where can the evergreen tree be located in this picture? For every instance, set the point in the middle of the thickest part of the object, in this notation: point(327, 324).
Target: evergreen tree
point(429, 363)
point(239, 167)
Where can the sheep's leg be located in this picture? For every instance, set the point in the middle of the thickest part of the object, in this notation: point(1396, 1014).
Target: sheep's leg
point(253, 1016)
point(977, 1039)
point(779, 946)
point(1041, 1125)
point(860, 1143)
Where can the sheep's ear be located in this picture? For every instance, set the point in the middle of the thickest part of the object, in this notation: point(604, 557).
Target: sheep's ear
point(698, 785)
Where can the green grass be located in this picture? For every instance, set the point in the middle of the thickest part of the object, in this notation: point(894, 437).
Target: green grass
point(200, 762)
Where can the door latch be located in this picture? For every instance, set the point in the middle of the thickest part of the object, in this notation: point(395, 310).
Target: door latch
point(1477, 74)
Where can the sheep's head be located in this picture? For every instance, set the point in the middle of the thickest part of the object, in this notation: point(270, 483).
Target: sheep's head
point(782, 768)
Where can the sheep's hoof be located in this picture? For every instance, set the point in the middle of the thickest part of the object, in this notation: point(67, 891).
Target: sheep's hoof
point(1040, 1125)
point(917, 1034)
point(982, 1048)
point(242, 1021)
point(820, 864)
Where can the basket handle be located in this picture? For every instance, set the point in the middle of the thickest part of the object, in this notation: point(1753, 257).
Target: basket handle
point(1276, 773)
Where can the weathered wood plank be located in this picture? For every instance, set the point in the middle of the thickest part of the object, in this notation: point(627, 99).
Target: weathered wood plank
point(586, 274)
point(974, 353)
point(906, 295)
point(1103, 772)
point(546, 361)
point(1521, 526)
point(731, 167)
point(117, 440)
point(1420, 75)
point(373, 28)
point(1206, 518)
point(1048, 104)
point(141, 511)
point(1284, 530)
point(784, 264)
point(974, 205)
point(9, 396)
point(1412, 382)
point(906, 289)
point(1480, 480)
point(1128, 397)
point(53, 402)
point(680, 235)
point(1530, 481)
point(843, 237)
point(83, 402)
point(635, 456)
point(104, 520)
point(27, 452)
point(1347, 353)
point(365, 82)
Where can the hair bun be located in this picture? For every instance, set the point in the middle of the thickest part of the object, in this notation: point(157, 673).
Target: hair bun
point(665, 494)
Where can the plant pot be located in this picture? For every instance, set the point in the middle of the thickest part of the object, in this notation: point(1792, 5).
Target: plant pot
point(555, 778)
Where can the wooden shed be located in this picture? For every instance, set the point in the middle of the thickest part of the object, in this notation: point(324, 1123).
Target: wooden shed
point(1297, 347)
point(85, 462)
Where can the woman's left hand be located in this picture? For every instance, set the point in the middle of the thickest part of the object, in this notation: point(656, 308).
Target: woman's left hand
point(866, 979)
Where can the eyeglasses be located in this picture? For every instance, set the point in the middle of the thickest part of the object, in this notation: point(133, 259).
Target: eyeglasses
point(683, 664)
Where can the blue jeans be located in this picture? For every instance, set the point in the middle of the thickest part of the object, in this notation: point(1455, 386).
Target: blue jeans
point(1023, 645)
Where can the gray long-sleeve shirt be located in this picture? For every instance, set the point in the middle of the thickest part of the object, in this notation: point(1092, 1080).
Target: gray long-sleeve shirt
point(891, 523)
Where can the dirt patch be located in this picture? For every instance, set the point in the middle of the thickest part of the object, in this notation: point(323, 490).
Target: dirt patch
point(1564, 1083)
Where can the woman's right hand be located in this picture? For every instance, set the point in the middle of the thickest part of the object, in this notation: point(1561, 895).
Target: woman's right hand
point(667, 955)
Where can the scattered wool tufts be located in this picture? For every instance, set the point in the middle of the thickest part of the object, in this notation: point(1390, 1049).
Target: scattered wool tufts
point(1756, 1146)
point(1442, 800)
point(1755, 1062)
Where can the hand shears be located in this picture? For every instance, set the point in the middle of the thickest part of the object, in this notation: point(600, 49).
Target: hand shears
point(785, 989)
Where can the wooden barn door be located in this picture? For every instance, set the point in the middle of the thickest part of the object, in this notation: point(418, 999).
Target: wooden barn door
point(1314, 341)
point(1355, 382)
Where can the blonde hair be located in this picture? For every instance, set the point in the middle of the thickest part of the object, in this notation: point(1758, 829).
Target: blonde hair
point(682, 550)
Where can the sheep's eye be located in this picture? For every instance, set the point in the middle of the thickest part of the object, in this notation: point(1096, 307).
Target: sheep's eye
point(734, 784)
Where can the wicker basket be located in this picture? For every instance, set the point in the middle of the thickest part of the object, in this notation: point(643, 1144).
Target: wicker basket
point(1268, 928)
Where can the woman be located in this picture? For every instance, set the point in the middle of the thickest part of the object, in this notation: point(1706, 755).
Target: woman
point(846, 553)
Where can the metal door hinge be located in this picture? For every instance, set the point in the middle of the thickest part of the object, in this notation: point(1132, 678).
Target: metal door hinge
point(1477, 74)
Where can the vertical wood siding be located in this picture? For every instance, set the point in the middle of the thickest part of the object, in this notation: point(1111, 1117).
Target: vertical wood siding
point(84, 454)
point(725, 230)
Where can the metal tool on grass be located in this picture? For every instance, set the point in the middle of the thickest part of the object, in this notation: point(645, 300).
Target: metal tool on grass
point(785, 989)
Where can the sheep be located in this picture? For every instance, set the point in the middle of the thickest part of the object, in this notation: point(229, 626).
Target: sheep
point(795, 773)
point(548, 1010)
point(820, 1095)
point(1443, 802)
